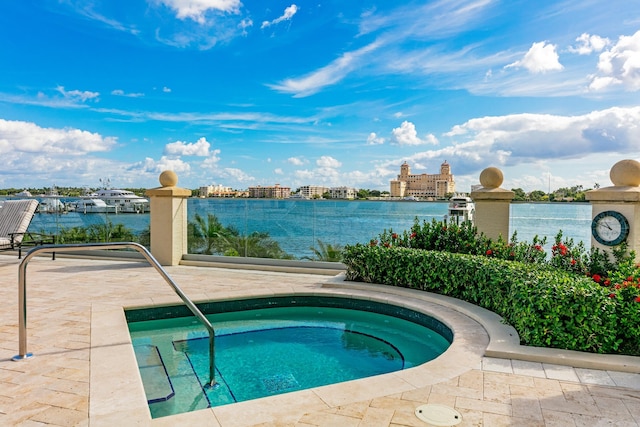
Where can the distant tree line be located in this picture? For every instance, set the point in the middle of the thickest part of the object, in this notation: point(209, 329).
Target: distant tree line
point(565, 194)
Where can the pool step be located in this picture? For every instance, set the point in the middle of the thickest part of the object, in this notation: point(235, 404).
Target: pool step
point(157, 385)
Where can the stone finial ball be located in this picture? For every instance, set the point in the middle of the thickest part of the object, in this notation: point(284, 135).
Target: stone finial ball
point(491, 177)
point(625, 173)
point(168, 179)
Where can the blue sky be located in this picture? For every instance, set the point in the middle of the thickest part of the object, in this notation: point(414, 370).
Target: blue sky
point(330, 92)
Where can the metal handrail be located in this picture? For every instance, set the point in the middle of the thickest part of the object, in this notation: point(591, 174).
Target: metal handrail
point(22, 292)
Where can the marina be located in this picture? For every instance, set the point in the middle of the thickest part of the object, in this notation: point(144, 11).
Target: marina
point(104, 200)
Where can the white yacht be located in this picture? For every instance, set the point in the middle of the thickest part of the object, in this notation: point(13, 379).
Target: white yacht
point(298, 196)
point(23, 193)
point(50, 204)
point(124, 200)
point(91, 205)
point(461, 208)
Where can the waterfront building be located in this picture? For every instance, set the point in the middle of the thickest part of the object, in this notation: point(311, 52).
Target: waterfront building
point(313, 191)
point(271, 192)
point(216, 191)
point(423, 185)
point(343, 193)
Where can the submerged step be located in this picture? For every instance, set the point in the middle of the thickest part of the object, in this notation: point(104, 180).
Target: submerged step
point(156, 381)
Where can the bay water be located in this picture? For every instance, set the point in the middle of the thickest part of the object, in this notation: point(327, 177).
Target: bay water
point(298, 225)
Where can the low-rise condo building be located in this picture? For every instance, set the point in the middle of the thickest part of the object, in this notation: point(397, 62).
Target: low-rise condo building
point(313, 191)
point(272, 192)
point(423, 185)
point(216, 191)
point(343, 193)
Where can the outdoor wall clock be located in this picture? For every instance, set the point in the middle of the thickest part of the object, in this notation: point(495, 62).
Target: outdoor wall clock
point(610, 228)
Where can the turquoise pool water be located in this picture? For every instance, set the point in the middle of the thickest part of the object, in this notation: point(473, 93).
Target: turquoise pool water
point(267, 351)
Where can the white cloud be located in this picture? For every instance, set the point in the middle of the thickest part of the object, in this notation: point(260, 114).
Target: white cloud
point(165, 163)
point(328, 176)
point(304, 175)
point(77, 95)
point(528, 138)
point(328, 162)
point(406, 134)
point(540, 58)
point(374, 139)
point(166, 89)
point(325, 76)
point(588, 44)
point(296, 161)
point(286, 16)
point(326, 173)
point(278, 171)
point(377, 178)
point(179, 148)
point(620, 65)
point(27, 137)
point(197, 9)
point(87, 9)
point(244, 24)
point(428, 20)
point(237, 175)
point(120, 92)
point(211, 162)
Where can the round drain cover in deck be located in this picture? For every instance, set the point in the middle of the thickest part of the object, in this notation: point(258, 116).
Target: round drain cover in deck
point(438, 415)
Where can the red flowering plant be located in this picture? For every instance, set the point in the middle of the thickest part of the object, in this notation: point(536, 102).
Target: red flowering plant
point(436, 236)
point(462, 238)
point(601, 262)
point(568, 256)
point(624, 285)
point(532, 253)
point(625, 280)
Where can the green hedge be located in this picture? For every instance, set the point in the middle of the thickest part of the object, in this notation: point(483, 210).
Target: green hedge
point(548, 307)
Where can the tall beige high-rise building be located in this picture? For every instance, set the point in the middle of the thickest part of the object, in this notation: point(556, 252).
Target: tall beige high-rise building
point(423, 185)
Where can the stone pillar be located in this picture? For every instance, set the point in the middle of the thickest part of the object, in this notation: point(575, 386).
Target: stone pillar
point(492, 205)
point(168, 219)
point(622, 198)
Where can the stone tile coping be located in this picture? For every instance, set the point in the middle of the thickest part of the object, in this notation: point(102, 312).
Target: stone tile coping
point(504, 341)
point(117, 394)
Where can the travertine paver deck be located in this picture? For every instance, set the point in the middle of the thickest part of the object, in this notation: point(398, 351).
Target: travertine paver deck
point(68, 300)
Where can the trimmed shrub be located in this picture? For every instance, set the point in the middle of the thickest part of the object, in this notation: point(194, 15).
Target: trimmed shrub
point(549, 307)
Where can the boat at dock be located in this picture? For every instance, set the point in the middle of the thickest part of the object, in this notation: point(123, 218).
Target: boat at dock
point(461, 209)
point(91, 205)
point(124, 200)
point(50, 204)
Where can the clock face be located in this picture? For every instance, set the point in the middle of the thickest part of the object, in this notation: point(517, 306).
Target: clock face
point(610, 228)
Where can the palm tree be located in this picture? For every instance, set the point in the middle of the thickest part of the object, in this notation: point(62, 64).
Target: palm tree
point(326, 252)
point(206, 236)
point(257, 244)
point(72, 235)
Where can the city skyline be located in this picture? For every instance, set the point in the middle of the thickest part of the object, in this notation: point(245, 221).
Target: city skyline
point(241, 94)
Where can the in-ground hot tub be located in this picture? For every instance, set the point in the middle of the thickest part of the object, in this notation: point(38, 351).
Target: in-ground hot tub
point(269, 346)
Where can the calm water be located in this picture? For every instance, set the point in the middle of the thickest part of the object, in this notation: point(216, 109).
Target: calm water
point(297, 225)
